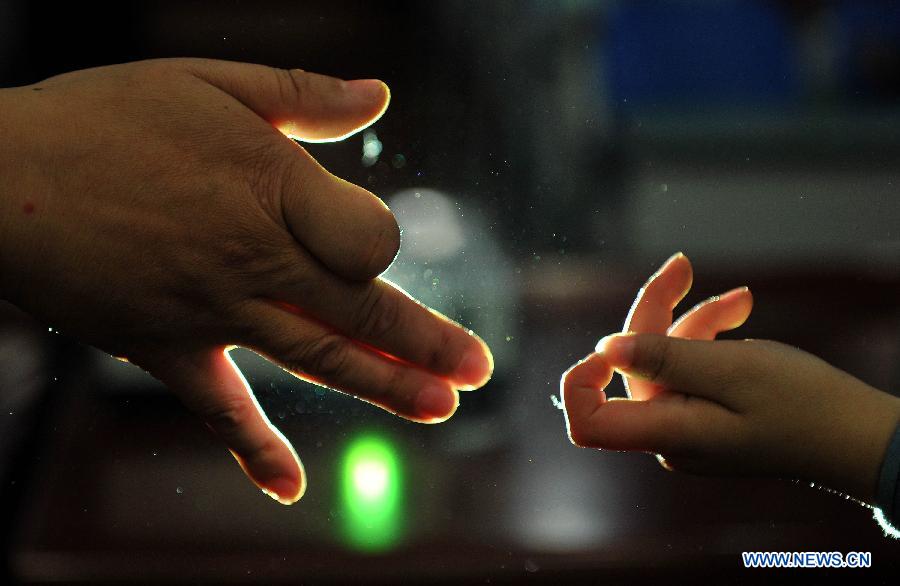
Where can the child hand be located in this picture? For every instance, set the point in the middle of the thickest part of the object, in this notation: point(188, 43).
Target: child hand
point(745, 407)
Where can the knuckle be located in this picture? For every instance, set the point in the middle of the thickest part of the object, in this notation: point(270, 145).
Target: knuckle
point(764, 349)
point(242, 250)
point(439, 359)
point(326, 357)
point(388, 392)
point(661, 359)
point(756, 360)
point(157, 69)
point(229, 417)
point(578, 437)
point(383, 249)
point(378, 314)
point(245, 263)
point(394, 382)
point(292, 84)
point(266, 172)
point(279, 180)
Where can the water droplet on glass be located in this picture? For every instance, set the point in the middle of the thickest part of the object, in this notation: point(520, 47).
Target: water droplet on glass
point(179, 490)
point(371, 148)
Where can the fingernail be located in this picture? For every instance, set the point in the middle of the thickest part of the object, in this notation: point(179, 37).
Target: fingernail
point(730, 295)
point(672, 259)
point(733, 292)
point(618, 349)
point(475, 368)
point(435, 402)
point(282, 489)
point(368, 89)
point(664, 266)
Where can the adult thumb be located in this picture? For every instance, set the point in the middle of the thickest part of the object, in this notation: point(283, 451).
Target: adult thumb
point(306, 106)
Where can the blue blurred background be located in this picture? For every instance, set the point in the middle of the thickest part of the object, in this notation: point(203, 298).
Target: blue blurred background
point(543, 158)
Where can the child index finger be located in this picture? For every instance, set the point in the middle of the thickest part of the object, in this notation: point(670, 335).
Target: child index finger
point(651, 312)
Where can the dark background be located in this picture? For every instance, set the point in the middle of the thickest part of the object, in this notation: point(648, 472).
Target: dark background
point(561, 151)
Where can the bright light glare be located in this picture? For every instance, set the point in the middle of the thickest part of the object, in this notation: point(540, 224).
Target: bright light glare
point(432, 223)
point(371, 494)
point(370, 479)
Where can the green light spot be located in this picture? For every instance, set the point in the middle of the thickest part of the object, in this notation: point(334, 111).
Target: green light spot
point(371, 486)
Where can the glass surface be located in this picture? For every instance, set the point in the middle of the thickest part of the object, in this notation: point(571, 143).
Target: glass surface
point(543, 158)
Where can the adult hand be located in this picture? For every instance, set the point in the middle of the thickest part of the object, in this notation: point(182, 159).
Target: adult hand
point(158, 211)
